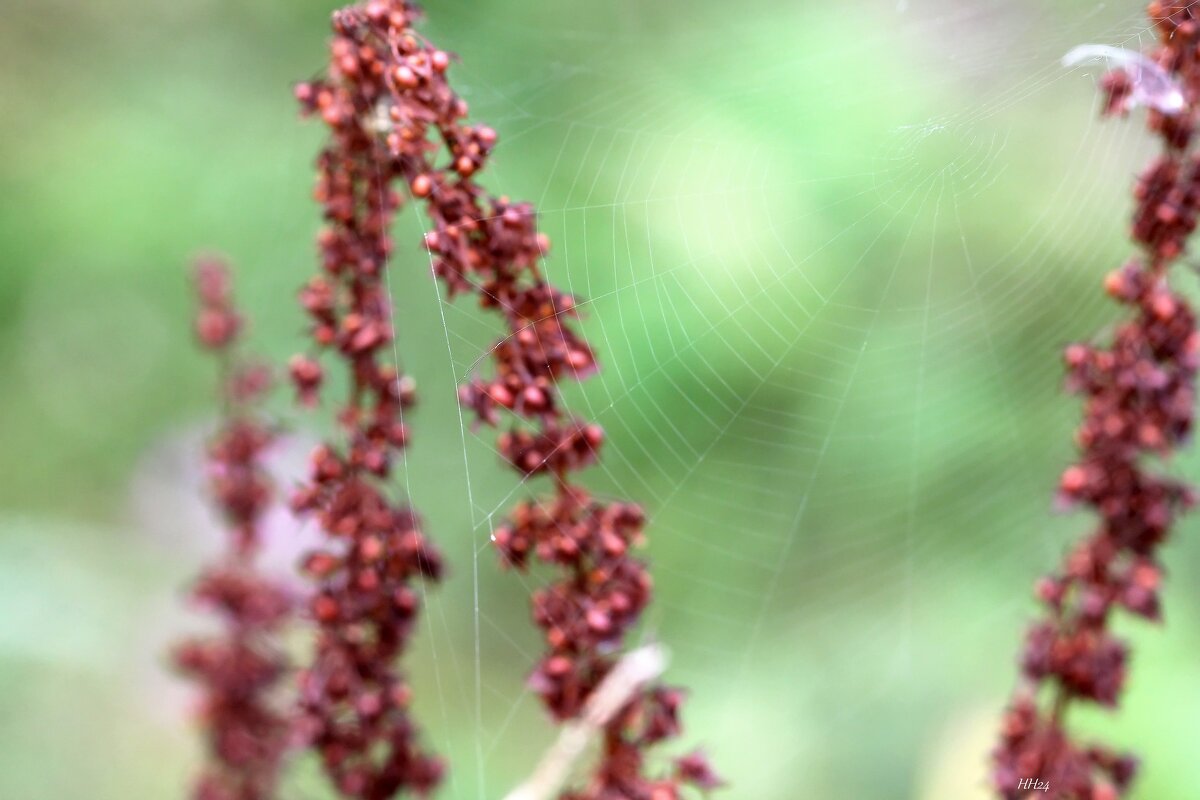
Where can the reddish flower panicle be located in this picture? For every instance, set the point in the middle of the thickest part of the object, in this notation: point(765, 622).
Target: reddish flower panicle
point(353, 698)
point(241, 668)
point(1139, 392)
point(393, 114)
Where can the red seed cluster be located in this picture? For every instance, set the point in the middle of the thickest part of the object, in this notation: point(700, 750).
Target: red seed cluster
point(1139, 393)
point(1168, 198)
point(395, 117)
point(354, 700)
point(1037, 744)
point(590, 541)
point(238, 482)
point(241, 668)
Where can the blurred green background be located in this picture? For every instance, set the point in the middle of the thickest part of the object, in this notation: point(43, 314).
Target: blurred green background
point(831, 253)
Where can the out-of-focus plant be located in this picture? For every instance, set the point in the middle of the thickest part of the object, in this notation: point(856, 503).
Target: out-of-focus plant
point(241, 668)
point(1139, 393)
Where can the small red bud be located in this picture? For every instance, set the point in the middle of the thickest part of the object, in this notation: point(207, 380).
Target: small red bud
point(1074, 479)
point(320, 564)
point(325, 608)
point(421, 186)
point(405, 77)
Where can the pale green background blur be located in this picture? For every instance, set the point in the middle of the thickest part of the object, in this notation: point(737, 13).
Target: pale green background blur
point(832, 252)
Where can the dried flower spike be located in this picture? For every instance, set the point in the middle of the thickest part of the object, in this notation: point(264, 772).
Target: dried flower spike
point(1139, 393)
point(392, 111)
point(241, 668)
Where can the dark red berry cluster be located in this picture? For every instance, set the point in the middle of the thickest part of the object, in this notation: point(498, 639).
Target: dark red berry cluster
point(1139, 394)
point(240, 669)
point(394, 117)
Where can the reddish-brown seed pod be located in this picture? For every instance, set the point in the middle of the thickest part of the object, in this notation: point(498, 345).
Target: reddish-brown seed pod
point(421, 186)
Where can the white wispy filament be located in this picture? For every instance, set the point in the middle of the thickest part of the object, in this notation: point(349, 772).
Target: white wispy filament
point(1153, 86)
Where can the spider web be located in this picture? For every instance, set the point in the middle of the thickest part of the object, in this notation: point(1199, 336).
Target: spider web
point(827, 277)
